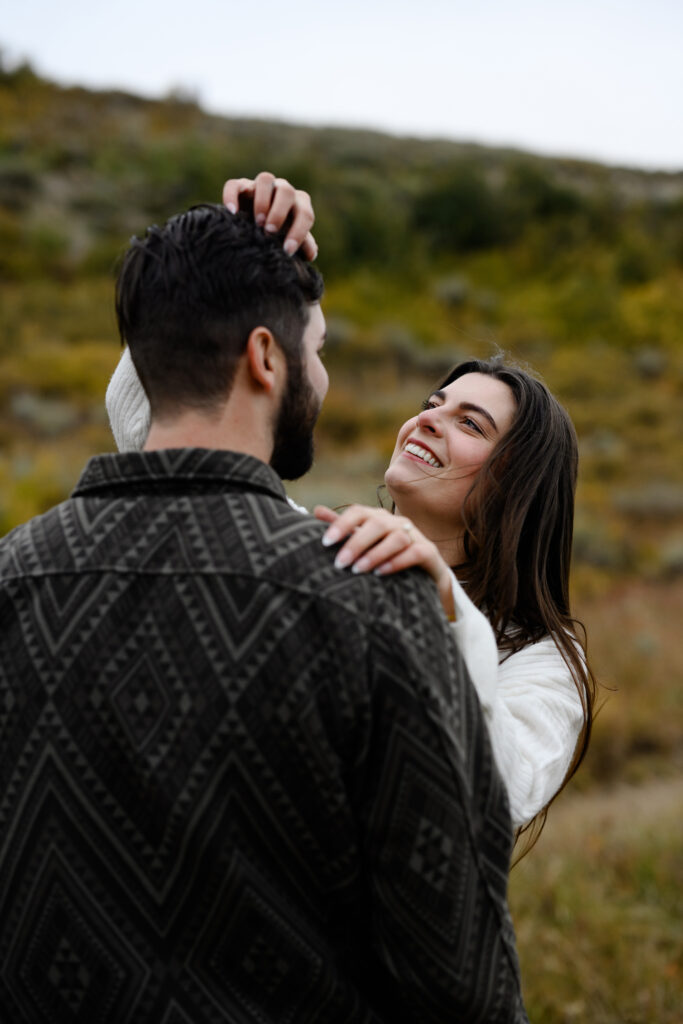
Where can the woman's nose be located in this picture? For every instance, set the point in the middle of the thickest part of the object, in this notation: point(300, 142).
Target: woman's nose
point(428, 421)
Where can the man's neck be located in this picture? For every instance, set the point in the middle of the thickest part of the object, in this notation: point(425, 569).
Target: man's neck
point(227, 429)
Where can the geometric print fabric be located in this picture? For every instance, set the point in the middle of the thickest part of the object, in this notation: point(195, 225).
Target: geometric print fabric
point(236, 784)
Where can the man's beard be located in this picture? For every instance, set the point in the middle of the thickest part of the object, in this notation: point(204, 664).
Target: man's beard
point(293, 443)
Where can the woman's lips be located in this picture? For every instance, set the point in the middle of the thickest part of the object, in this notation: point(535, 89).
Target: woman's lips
point(420, 452)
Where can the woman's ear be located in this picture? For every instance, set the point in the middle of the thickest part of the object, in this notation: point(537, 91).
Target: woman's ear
point(266, 363)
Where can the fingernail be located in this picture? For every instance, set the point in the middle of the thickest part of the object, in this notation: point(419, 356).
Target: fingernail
point(290, 247)
point(329, 538)
point(232, 208)
point(260, 219)
point(270, 228)
point(360, 566)
point(342, 560)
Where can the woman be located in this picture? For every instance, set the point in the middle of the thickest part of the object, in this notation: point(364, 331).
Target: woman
point(486, 476)
point(483, 484)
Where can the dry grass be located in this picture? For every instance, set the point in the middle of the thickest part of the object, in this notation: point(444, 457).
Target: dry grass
point(598, 902)
point(636, 648)
point(597, 908)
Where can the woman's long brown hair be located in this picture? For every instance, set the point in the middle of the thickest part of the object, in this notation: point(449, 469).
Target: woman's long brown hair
point(519, 519)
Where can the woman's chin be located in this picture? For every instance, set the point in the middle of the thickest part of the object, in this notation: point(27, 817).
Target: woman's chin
point(391, 480)
point(399, 488)
point(402, 474)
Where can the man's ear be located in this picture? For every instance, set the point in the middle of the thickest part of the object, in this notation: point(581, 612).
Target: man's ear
point(265, 360)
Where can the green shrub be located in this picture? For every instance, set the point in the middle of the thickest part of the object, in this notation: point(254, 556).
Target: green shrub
point(458, 211)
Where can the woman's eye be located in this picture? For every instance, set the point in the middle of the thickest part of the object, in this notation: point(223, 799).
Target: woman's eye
point(472, 424)
point(428, 404)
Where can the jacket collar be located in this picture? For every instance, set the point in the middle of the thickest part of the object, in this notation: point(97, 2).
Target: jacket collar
point(204, 469)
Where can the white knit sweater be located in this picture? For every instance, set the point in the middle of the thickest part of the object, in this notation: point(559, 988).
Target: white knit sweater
point(531, 704)
point(127, 406)
point(529, 699)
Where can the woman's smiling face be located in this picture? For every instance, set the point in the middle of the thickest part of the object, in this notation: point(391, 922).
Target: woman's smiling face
point(439, 453)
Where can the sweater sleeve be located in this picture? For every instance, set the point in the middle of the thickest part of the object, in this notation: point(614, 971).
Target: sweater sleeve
point(534, 724)
point(127, 406)
point(477, 644)
point(531, 705)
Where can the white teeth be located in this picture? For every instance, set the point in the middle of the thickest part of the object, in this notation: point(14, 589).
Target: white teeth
point(422, 453)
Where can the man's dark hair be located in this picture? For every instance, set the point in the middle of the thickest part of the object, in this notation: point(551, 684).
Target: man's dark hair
point(189, 294)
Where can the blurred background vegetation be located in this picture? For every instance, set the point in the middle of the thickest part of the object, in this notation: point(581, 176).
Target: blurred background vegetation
point(432, 252)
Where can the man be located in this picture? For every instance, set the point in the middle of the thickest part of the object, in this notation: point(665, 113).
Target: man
point(235, 785)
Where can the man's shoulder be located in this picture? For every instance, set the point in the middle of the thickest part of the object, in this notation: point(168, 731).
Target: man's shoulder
point(292, 548)
point(25, 545)
point(240, 532)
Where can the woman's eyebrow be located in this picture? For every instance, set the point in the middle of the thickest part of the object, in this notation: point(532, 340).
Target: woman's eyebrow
point(470, 407)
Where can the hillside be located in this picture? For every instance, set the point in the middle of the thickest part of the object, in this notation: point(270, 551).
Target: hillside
point(432, 251)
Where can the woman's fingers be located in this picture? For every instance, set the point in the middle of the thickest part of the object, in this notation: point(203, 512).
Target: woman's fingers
point(309, 247)
point(362, 543)
point(377, 541)
point(392, 550)
point(287, 200)
point(353, 517)
point(233, 189)
point(407, 558)
point(373, 536)
point(299, 235)
point(325, 514)
point(274, 200)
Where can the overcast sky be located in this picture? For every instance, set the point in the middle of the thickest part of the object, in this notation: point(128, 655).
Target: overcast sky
point(601, 79)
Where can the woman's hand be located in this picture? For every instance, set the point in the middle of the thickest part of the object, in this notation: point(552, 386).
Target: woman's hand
point(380, 542)
point(274, 200)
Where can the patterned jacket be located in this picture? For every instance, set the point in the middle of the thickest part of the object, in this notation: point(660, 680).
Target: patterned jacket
point(236, 784)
